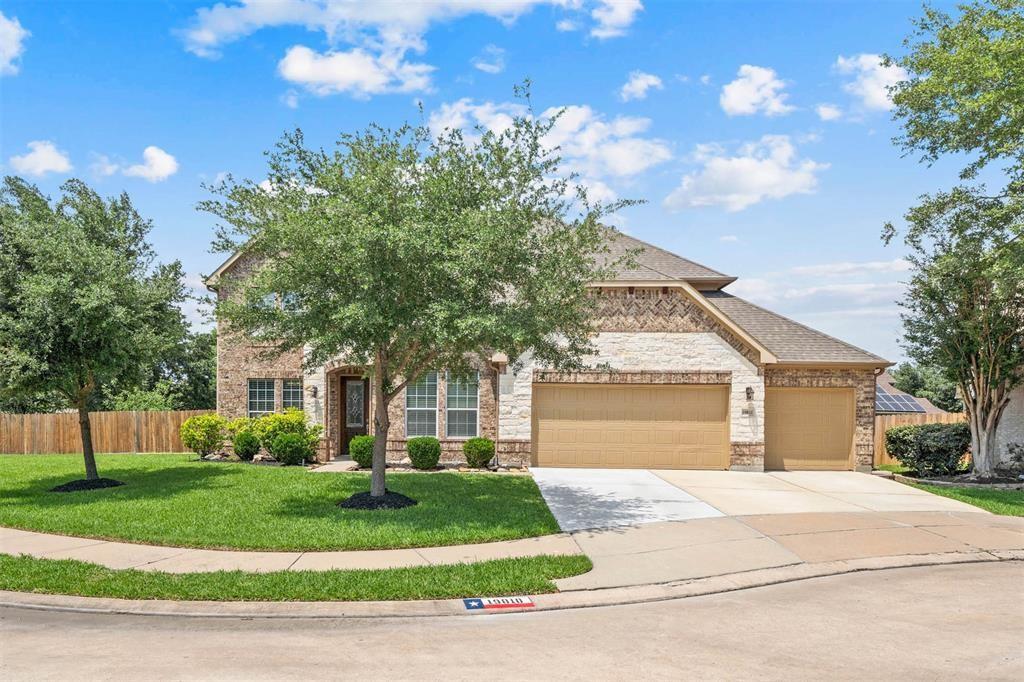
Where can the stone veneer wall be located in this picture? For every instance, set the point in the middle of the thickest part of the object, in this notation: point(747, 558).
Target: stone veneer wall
point(863, 383)
point(239, 359)
point(1011, 426)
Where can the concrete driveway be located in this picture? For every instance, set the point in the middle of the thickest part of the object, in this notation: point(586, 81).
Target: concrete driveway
point(606, 498)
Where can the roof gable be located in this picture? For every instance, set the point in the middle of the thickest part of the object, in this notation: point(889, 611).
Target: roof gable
point(653, 263)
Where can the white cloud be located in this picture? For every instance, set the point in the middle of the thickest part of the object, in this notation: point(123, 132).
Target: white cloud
point(598, 148)
point(613, 17)
point(848, 268)
point(157, 165)
point(43, 157)
point(766, 169)
point(638, 85)
point(871, 79)
point(756, 89)
point(103, 166)
point(828, 112)
point(377, 35)
point(356, 72)
point(12, 44)
point(729, 238)
point(705, 79)
point(290, 99)
point(566, 25)
point(491, 61)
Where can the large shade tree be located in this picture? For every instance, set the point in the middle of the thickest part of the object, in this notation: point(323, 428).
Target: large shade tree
point(965, 305)
point(83, 303)
point(405, 251)
point(964, 98)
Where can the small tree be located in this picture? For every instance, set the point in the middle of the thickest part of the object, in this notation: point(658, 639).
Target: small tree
point(965, 304)
point(82, 303)
point(404, 252)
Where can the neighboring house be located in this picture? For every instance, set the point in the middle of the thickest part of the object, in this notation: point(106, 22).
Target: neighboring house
point(1011, 426)
point(686, 375)
point(891, 400)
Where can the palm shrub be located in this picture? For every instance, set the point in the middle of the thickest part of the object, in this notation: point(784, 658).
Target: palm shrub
point(424, 452)
point(245, 445)
point(478, 451)
point(360, 448)
point(203, 434)
point(291, 448)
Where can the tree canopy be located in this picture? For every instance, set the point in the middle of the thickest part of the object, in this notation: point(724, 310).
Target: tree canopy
point(927, 381)
point(83, 303)
point(965, 91)
point(405, 250)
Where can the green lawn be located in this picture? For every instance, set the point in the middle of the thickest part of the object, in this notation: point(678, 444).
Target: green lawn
point(175, 500)
point(894, 468)
point(1005, 502)
point(502, 577)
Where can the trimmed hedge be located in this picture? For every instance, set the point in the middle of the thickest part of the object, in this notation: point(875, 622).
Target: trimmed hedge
point(360, 448)
point(478, 451)
point(930, 449)
point(424, 452)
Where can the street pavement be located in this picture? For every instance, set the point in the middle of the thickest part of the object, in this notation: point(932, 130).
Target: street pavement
point(926, 623)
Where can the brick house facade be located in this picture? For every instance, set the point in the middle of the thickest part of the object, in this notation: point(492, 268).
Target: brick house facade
point(667, 324)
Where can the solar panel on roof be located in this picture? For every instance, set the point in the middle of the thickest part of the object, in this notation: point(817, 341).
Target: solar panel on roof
point(894, 402)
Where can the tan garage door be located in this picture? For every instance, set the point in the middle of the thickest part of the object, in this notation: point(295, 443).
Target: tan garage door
point(808, 428)
point(631, 426)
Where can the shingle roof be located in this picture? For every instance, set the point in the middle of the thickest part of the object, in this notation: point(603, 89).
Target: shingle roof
point(789, 341)
point(653, 263)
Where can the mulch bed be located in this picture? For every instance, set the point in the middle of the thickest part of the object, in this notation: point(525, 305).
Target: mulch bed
point(1003, 482)
point(388, 500)
point(86, 484)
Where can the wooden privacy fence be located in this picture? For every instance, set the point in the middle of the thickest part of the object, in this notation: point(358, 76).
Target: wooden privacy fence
point(111, 432)
point(884, 422)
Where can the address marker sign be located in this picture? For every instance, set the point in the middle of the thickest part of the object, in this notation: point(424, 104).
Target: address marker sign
point(488, 603)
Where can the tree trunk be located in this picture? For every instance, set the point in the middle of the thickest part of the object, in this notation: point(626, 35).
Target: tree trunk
point(86, 430)
point(381, 424)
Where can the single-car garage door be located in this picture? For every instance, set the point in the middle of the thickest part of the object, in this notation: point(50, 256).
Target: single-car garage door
point(631, 426)
point(808, 428)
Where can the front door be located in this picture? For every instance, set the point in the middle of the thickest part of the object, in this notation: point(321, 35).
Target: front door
point(355, 404)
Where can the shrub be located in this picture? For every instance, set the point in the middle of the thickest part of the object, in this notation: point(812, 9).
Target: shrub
point(899, 441)
point(360, 448)
point(293, 420)
point(290, 449)
point(203, 434)
point(424, 452)
point(246, 445)
point(930, 449)
point(479, 452)
point(236, 426)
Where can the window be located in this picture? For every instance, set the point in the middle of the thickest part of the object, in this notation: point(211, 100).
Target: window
point(261, 396)
point(421, 406)
point(462, 405)
point(292, 394)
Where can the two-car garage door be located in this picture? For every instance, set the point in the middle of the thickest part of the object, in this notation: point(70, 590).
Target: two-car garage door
point(631, 426)
point(685, 426)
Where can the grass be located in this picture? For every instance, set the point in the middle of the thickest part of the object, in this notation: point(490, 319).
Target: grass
point(175, 500)
point(501, 577)
point(1005, 502)
point(894, 468)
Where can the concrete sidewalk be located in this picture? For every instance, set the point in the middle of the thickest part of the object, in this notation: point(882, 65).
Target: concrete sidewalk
point(121, 555)
point(670, 552)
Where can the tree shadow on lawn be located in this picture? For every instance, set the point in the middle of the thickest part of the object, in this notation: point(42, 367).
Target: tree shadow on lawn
point(443, 500)
point(139, 484)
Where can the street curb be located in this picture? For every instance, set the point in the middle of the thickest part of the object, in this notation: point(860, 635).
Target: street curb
point(615, 596)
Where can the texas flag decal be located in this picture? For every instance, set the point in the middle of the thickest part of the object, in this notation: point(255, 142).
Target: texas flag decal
point(487, 603)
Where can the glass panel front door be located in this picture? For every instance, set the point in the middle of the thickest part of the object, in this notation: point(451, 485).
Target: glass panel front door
point(352, 408)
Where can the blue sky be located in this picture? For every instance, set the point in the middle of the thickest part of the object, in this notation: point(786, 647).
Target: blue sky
point(758, 133)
